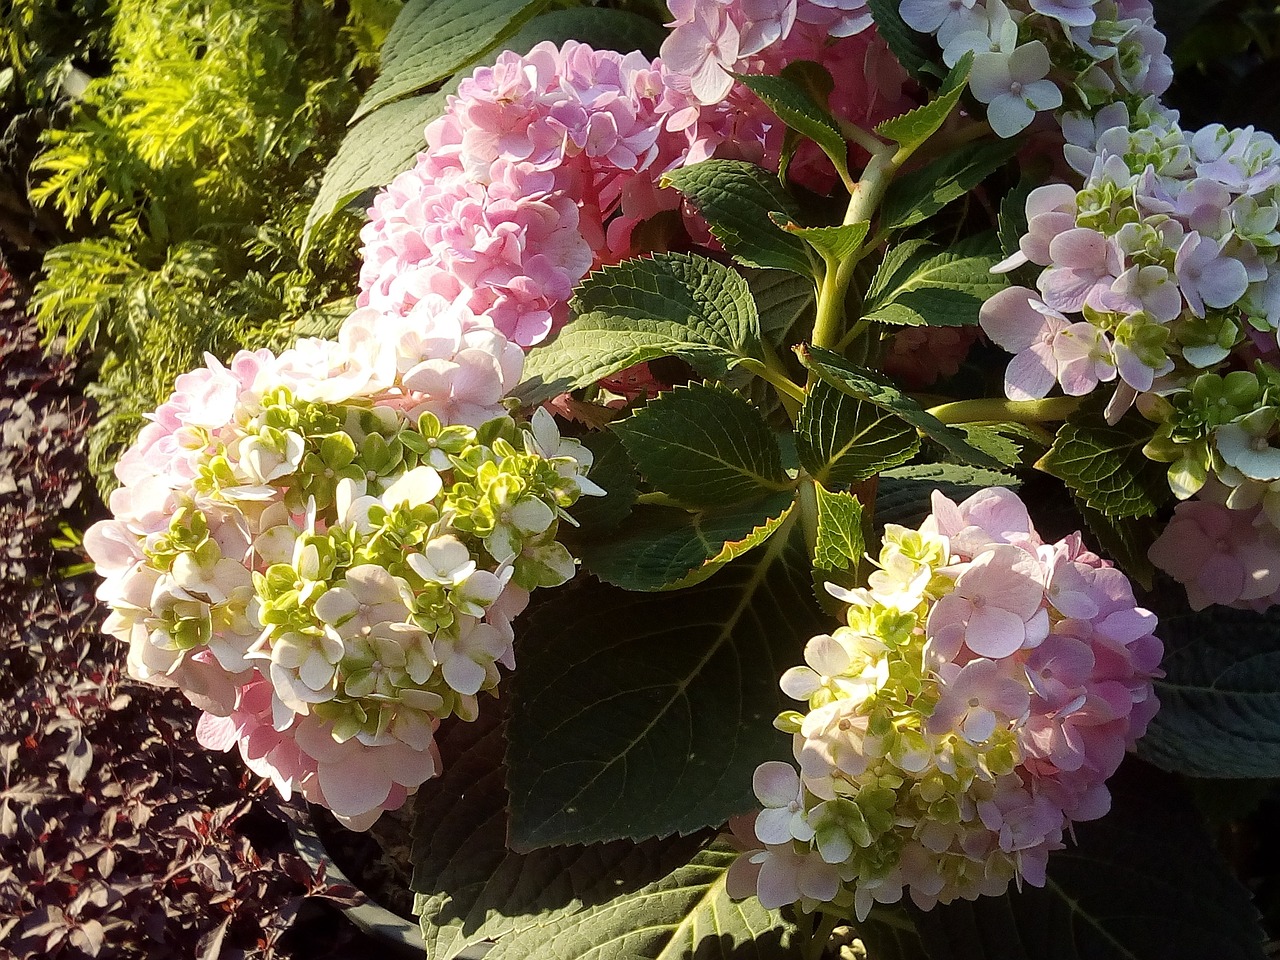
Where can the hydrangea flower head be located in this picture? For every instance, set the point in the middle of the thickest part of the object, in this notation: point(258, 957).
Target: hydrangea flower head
point(985, 687)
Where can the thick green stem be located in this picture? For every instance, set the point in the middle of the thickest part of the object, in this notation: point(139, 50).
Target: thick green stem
point(807, 499)
point(816, 946)
point(828, 326)
point(774, 374)
point(994, 409)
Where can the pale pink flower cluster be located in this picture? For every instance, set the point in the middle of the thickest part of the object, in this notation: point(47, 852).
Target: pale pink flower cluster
point(1154, 270)
point(1104, 52)
point(986, 686)
point(716, 116)
point(540, 166)
point(1220, 555)
point(253, 557)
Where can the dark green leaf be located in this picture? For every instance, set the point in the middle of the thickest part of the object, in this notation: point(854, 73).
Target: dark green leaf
point(912, 129)
point(783, 300)
point(471, 888)
point(1105, 467)
point(918, 195)
point(705, 446)
point(639, 715)
point(612, 470)
point(432, 39)
point(380, 146)
point(1220, 699)
point(671, 304)
point(842, 440)
point(914, 51)
point(1143, 883)
point(1125, 540)
point(903, 493)
point(685, 915)
point(872, 387)
point(666, 548)
point(918, 283)
point(736, 198)
point(799, 111)
point(1013, 216)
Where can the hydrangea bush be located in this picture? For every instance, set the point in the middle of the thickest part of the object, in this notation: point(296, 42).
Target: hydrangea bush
point(766, 333)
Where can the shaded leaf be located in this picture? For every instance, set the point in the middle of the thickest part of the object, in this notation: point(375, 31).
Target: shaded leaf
point(666, 548)
point(639, 715)
point(912, 129)
point(873, 388)
point(918, 195)
point(705, 446)
point(903, 493)
point(798, 110)
point(783, 301)
point(842, 440)
point(1220, 697)
point(612, 470)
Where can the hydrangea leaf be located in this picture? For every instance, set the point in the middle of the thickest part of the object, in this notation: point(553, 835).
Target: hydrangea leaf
point(783, 301)
point(798, 110)
point(833, 244)
point(907, 45)
point(613, 471)
point(1220, 697)
point(470, 888)
point(903, 493)
point(638, 715)
point(378, 148)
point(918, 195)
point(432, 39)
point(666, 548)
point(705, 446)
point(1145, 882)
point(671, 304)
point(686, 914)
point(912, 129)
point(919, 284)
point(1105, 467)
point(842, 440)
point(736, 199)
point(872, 387)
point(838, 550)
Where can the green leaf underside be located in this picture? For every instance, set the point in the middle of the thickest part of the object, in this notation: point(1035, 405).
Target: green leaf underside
point(918, 195)
point(1005, 441)
point(921, 284)
point(471, 888)
point(906, 44)
point(736, 199)
point(833, 244)
point(903, 493)
point(705, 446)
point(638, 715)
point(866, 385)
point(1220, 699)
point(671, 304)
point(613, 471)
point(839, 547)
point(1105, 466)
point(380, 147)
point(799, 111)
point(431, 39)
point(783, 300)
point(686, 914)
point(842, 440)
point(666, 548)
point(912, 129)
point(1145, 882)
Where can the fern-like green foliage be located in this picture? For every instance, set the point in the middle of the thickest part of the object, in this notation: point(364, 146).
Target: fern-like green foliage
point(187, 169)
